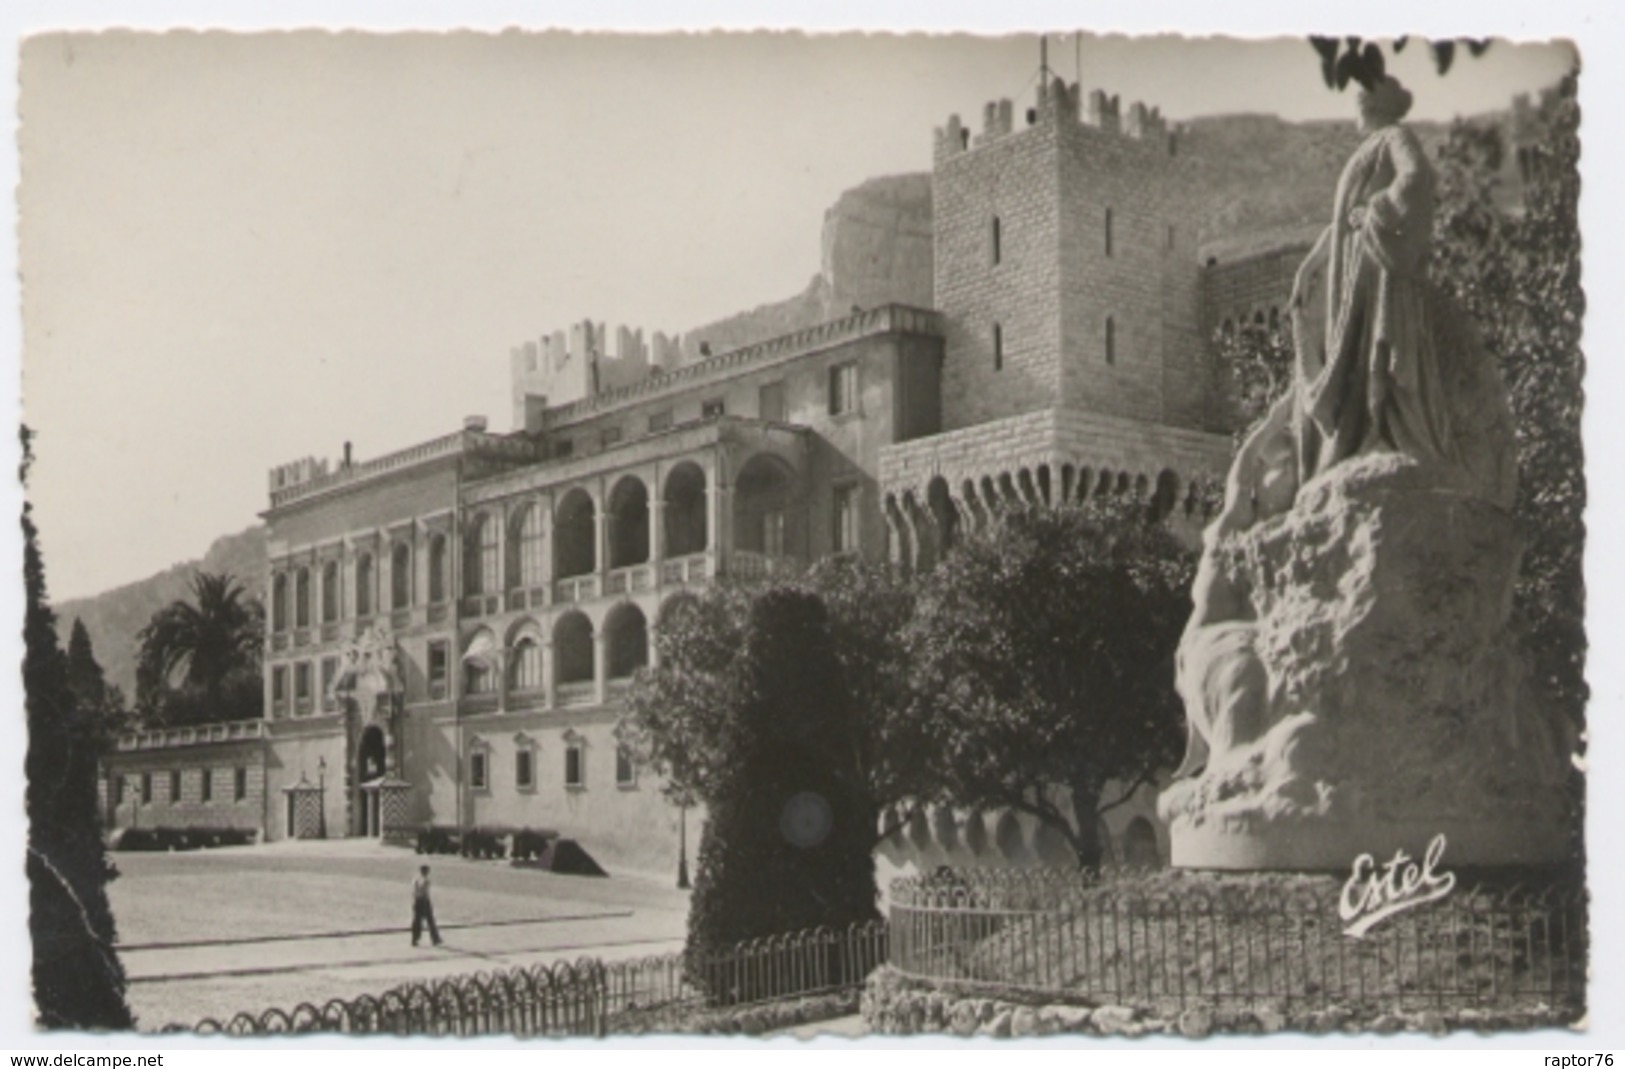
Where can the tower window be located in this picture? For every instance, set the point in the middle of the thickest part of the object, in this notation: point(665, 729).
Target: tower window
point(996, 246)
point(1111, 341)
point(998, 347)
point(1108, 231)
point(1170, 237)
point(843, 388)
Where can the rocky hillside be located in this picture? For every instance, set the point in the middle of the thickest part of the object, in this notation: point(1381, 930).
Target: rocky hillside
point(114, 617)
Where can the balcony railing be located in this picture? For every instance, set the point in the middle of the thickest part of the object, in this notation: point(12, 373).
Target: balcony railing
point(330, 632)
point(576, 588)
point(400, 619)
point(631, 579)
point(228, 731)
point(577, 693)
point(747, 564)
point(693, 568)
point(437, 613)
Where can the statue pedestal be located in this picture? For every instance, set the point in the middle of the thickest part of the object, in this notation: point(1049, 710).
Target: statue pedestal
point(1396, 707)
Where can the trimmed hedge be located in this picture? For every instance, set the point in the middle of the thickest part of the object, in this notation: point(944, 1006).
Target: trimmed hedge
point(485, 841)
point(190, 837)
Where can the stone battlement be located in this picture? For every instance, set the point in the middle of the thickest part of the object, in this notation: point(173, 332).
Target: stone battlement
point(571, 365)
point(294, 473)
point(1056, 102)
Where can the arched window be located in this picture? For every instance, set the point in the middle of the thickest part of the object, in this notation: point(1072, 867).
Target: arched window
point(478, 678)
point(527, 665)
point(1111, 340)
point(483, 572)
point(301, 598)
point(685, 505)
point(532, 551)
point(627, 640)
point(363, 585)
point(573, 649)
point(400, 576)
point(575, 536)
point(279, 602)
point(330, 592)
point(628, 523)
point(437, 569)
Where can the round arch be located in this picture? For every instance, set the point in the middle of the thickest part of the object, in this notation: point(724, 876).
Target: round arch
point(683, 496)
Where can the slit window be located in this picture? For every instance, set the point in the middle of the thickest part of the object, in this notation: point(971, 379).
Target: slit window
point(998, 347)
point(843, 389)
point(995, 242)
point(1108, 231)
point(1111, 340)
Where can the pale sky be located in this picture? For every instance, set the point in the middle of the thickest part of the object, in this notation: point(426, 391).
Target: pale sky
point(242, 249)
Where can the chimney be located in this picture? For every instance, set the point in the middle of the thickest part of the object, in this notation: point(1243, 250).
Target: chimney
point(474, 423)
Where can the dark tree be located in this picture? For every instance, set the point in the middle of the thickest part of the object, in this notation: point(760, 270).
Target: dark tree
point(1043, 655)
point(1515, 267)
point(95, 698)
point(78, 979)
point(200, 660)
point(788, 837)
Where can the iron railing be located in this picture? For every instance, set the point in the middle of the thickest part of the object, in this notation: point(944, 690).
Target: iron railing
point(1054, 932)
point(590, 997)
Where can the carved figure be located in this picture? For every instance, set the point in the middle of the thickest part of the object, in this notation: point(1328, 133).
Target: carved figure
point(1372, 383)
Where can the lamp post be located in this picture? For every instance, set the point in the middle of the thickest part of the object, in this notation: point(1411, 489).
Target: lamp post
point(682, 847)
point(321, 783)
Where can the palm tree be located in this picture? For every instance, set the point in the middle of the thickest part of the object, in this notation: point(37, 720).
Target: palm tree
point(200, 660)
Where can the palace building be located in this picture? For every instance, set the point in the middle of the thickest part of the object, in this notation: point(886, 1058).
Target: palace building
point(451, 626)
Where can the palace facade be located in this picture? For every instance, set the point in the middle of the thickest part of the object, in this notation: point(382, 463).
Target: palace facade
point(451, 626)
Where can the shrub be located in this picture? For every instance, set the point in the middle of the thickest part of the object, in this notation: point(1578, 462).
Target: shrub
point(786, 846)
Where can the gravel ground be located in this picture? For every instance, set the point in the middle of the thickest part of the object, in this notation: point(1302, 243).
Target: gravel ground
point(212, 933)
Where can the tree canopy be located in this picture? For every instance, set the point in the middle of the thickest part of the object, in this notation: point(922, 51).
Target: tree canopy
point(1043, 657)
point(200, 659)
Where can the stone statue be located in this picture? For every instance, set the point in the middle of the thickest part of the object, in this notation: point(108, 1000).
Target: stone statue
point(1349, 674)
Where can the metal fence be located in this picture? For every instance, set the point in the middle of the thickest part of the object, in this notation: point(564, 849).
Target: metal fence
point(590, 997)
point(1056, 933)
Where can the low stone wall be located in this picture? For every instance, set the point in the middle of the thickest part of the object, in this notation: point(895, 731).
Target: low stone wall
point(897, 1005)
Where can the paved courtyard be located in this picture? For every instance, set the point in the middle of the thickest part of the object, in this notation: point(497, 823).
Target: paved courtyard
point(214, 932)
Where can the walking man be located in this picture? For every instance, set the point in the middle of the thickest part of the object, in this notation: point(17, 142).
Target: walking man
point(423, 908)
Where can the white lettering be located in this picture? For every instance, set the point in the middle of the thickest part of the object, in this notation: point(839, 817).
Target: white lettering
point(1372, 894)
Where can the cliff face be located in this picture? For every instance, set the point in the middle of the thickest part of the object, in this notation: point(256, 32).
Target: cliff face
point(876, 250)
point(114, 617)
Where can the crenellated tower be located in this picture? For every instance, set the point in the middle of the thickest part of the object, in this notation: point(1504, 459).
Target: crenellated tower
point(1066, 267)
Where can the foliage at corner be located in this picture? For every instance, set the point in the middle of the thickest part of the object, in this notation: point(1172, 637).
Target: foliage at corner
point(678, 722)
point(1516, 271)
point(200, 659)
point(1044, 657)
point(1351, 59)
point(787, 843)
point(79, 982)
